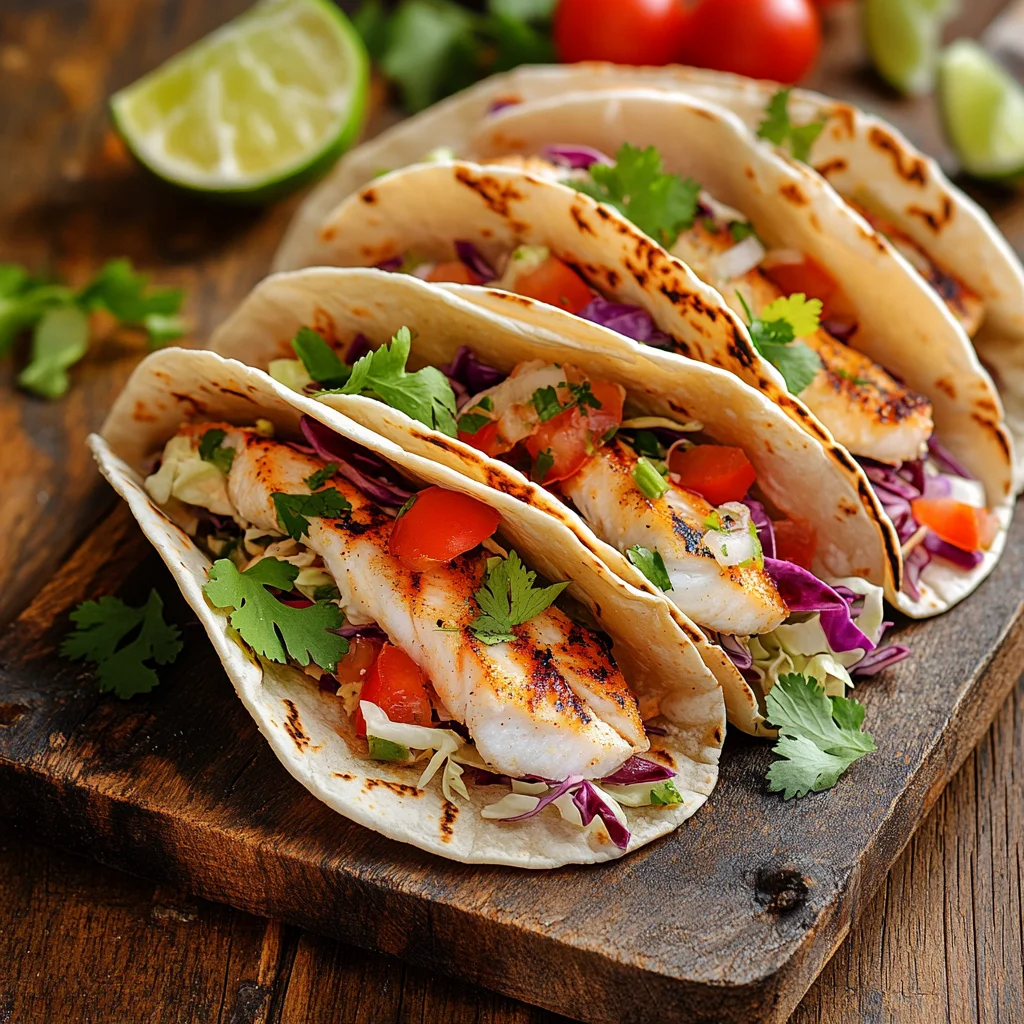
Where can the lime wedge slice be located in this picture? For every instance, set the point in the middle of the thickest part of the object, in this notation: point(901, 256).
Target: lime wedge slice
point(983, 111)
point(903, 39)
point(256, 108)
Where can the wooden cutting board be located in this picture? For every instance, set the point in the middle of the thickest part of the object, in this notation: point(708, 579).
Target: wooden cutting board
point(728, 920)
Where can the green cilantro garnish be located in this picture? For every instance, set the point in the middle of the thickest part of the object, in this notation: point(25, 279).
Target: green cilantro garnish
point(548, 404)
point(740, 229)
point(100, 626)
point(660, 205)
point(508, 598)
point(648, 479)
point(294, 510)
point(472, 422)
point(328, 592)
point(774, 334)
point(819, 736)
point(317, 479)
point(542, 465)
point(665, 794)
point(651, 564)
point(58, 318)
point(320, 360)
point(270, 628)
point(545, 401)
point(861, 382)
point(645, 442)
point(424, 395)
point(211, 449)
point(777, 127)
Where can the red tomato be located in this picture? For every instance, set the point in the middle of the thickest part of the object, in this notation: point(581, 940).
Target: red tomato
point(485, 439)
point(807, 276)
point(555, 283)
point(453, 270)
point(795, 542)
point(621, 31)
point(716, 472)
point(777, 39)
point(957, 523)
point(362, 653)
point(438, 526)
point(398, 687)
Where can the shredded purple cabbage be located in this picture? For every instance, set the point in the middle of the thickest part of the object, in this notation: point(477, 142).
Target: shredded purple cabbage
point(501, 104)
point(468, 371)
point(962, 559)
point(738, 654)
point(574, 157)
point(880, 659)
point(557, 789)
point(765, 529)
point(589, 804)
point(638, 769)
point(382, 488)
point(469, 254)
point(391, 265)
point(840, 327)
point(804, 592)
point(946, 460)
point(368, 631)
point(357, 349)
point(627, 320)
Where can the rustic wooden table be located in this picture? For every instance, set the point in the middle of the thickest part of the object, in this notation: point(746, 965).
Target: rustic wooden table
point(944, 939)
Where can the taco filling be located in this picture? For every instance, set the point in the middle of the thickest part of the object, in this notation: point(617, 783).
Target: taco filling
point(404, 606)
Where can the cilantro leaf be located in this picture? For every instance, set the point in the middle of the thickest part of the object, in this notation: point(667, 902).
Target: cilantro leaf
point(775, 338)
point(508, 598)
point(777, 127)
point(319, 359)
point(645, 442)
point(316, 480)
point(651, 564)
point(100, 626)
point(549, 405)
point(819, 736)
point(60, 339)
point(801, 313)
point(473, 422)
point(659, 204)
point(740, 229)
point(424, 395)
point(23, 301)
point(123, 292)
point(211, 449)
point(545, 401)
point(270, 628)
point(542, 465)
point(294, 510)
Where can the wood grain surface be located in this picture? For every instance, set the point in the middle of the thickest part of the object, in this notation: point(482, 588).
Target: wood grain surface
point(941, 941)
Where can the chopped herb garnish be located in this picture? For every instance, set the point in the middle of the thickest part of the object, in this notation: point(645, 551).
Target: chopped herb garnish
point(648, 479)
point(316, 480)
point(777, 127)
point(548, 405)
point(819, 736)
point(472, 422)
point(740, 229)
point(294, 510)
point(319, 359)
point(651, 564)
point(424, 395)
point(861, 382)
point(272, 629)
point(328, 592)
point(542, 465)
point(645, 442)
point(211, 449)
point(545, 401)
point(774, 334)
point(661, 205)
point(100, 626)
point(665, 794)
point(509, 598)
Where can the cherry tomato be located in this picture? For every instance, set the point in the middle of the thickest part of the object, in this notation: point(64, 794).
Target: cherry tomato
point(806, 275)
point(398, 687)
point(621, 31)
point(716, 472)
point(452, 270)
point(795, 542)
point(555, 283)
point(362, 653)
point(777, 39)
point(438, 526)
point(964, 526)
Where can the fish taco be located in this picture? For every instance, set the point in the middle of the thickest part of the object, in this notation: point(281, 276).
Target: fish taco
point(430, 657)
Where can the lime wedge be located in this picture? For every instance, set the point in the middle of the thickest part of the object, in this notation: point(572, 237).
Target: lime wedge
point(983, 111)
point(256, 108)
point(903, 39)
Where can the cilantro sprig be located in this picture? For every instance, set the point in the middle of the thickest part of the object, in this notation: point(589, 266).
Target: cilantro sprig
point(549, 405)
point(819, 736)
point(101, 627)
point(509, 598)
point(424, 395)
point(774, 335)
point(293, 510)
point(272, 629)
point(660, 204)
point(778, 128)
point(317, 479)
point(320, 360)
point(58, 317)
point(211, 449)
point(651, 564)
point(473, 422)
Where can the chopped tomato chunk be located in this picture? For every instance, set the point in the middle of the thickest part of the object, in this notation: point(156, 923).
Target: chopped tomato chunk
point(807, 276)
point(555, 283)
point(398, 687)
point(717, 472)
point(452, 270)
point(964, 526)
point(794, 542)
point(362, 653)
point(439, 526)
point(485, 439)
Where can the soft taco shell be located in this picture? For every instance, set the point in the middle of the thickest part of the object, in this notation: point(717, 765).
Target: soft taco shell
point(308, 732)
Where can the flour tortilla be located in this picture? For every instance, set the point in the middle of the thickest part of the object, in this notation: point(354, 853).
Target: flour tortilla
point(863, 158)
point(804, 477)
point(309, 732)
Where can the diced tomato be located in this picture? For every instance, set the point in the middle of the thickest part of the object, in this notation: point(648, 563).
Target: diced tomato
point(452, 270)
point(485, 439)
point(362, 653)
point(398, 687)
point(795, 542)
point(964, 526)
point(717, 472)
point(439, 526)
point(611, 396)
point(807, 276)
point(555, 283)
